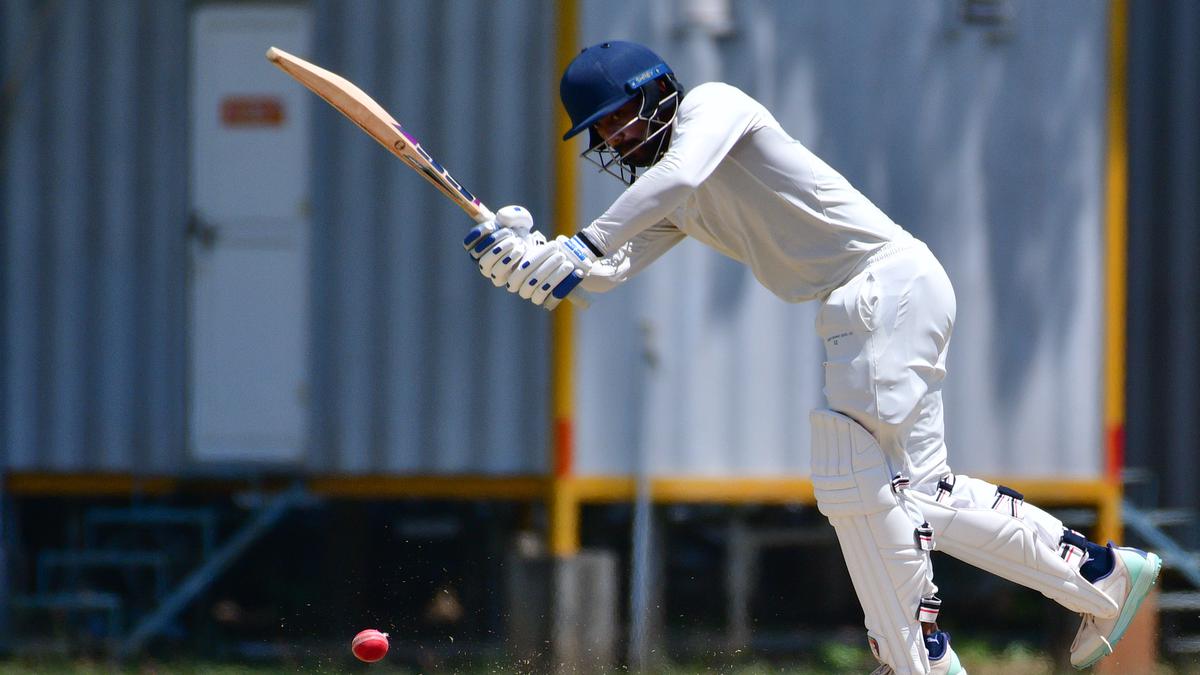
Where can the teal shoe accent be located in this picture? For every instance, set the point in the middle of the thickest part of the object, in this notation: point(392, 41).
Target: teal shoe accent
point(1143, 569)
point(955, 666)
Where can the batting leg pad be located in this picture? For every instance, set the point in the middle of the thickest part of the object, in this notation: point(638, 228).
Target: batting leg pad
point(891, 574)
point(991, 527)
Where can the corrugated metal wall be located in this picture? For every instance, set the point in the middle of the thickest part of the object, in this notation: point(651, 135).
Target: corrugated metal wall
point(92, 214)
point(1164, 245)
point(987, 142)
point(418, 365)
point(93, 206)
point(421, 365)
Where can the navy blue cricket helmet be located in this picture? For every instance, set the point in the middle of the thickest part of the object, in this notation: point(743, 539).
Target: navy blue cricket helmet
point(605, 77)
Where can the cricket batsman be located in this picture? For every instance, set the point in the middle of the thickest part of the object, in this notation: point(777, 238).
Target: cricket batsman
point(715, 165)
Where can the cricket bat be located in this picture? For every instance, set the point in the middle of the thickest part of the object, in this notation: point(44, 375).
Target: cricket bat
point(355, 104)
point(373, 119)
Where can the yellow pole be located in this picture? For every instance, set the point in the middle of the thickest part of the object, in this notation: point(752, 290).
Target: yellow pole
point(1116, 237)
point(562, 502)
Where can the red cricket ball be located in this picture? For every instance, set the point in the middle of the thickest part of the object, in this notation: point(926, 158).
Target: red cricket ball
point(369, 645)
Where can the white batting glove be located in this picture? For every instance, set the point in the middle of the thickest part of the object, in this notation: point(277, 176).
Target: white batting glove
point(550, 271)
point(498, 245)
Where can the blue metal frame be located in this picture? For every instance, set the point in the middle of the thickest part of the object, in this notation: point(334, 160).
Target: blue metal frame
point(272, 511)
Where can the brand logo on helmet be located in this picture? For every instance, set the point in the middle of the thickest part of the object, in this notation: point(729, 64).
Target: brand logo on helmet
point(645, 76)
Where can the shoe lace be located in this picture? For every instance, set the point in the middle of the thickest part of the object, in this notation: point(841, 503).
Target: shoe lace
point(1087, 623)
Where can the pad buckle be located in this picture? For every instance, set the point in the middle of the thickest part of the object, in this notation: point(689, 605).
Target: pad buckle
point(928, 609)
point(1071, 547)
point(1008, 501)
point(924, 535)
point(945, 486)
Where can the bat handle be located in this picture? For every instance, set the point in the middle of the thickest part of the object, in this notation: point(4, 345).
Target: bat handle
point(482, 214)
point(580, 298)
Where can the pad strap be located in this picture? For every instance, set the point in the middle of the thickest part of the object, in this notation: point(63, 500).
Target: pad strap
point(945, 488)
point(927, 611)
point(999, 541)
point(1073, 548)
point(1008, 501)
point(924, 536)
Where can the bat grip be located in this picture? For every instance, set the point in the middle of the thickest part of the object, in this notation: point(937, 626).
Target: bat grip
point(580, 298)
point(482, 214)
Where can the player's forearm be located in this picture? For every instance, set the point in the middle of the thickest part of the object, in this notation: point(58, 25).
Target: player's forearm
point(633, 257)
point(652, 199)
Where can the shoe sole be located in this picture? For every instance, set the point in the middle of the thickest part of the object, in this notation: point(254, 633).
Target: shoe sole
point(1143, 581)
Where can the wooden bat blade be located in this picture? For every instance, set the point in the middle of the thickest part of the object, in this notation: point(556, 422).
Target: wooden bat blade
point(361, 109)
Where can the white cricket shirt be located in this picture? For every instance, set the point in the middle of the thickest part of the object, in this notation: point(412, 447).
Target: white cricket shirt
point(735, 180)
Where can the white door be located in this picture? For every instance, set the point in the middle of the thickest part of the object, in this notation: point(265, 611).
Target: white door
point(249, 257)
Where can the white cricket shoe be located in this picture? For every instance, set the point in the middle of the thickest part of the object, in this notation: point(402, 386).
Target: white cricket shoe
point(1133, 575)
point(946, 664)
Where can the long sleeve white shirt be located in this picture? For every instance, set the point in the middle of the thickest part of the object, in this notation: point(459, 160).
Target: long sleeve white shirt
point(735, 180)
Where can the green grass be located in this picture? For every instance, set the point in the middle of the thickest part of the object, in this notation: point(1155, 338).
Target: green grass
point(831, 659)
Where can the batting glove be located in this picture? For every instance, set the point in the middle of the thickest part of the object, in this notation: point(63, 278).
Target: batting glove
point(498, 245)
point(548, 272)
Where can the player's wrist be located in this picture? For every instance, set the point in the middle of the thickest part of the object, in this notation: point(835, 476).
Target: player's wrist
point(584, 238)
point(578, 250)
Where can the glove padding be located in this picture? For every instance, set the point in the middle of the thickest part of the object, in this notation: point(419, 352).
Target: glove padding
point(549, 271)
point(498, 245)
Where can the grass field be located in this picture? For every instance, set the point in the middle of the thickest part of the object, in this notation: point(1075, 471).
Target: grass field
point(833, 659)
point(1020, 665)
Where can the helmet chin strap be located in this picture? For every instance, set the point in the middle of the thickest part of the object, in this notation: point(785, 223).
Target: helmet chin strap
point(619, 165)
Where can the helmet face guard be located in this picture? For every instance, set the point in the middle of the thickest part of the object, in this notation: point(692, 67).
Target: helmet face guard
point(623, 166)
point(607, 76)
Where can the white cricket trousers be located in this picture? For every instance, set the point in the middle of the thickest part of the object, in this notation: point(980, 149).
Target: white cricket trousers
point(886, 333)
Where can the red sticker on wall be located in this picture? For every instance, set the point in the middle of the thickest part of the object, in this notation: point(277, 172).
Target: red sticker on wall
point(251, 111)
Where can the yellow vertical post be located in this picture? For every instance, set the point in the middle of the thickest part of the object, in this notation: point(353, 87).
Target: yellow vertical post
point(562, 502)
point(1116, 238)
point(1108, 515)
